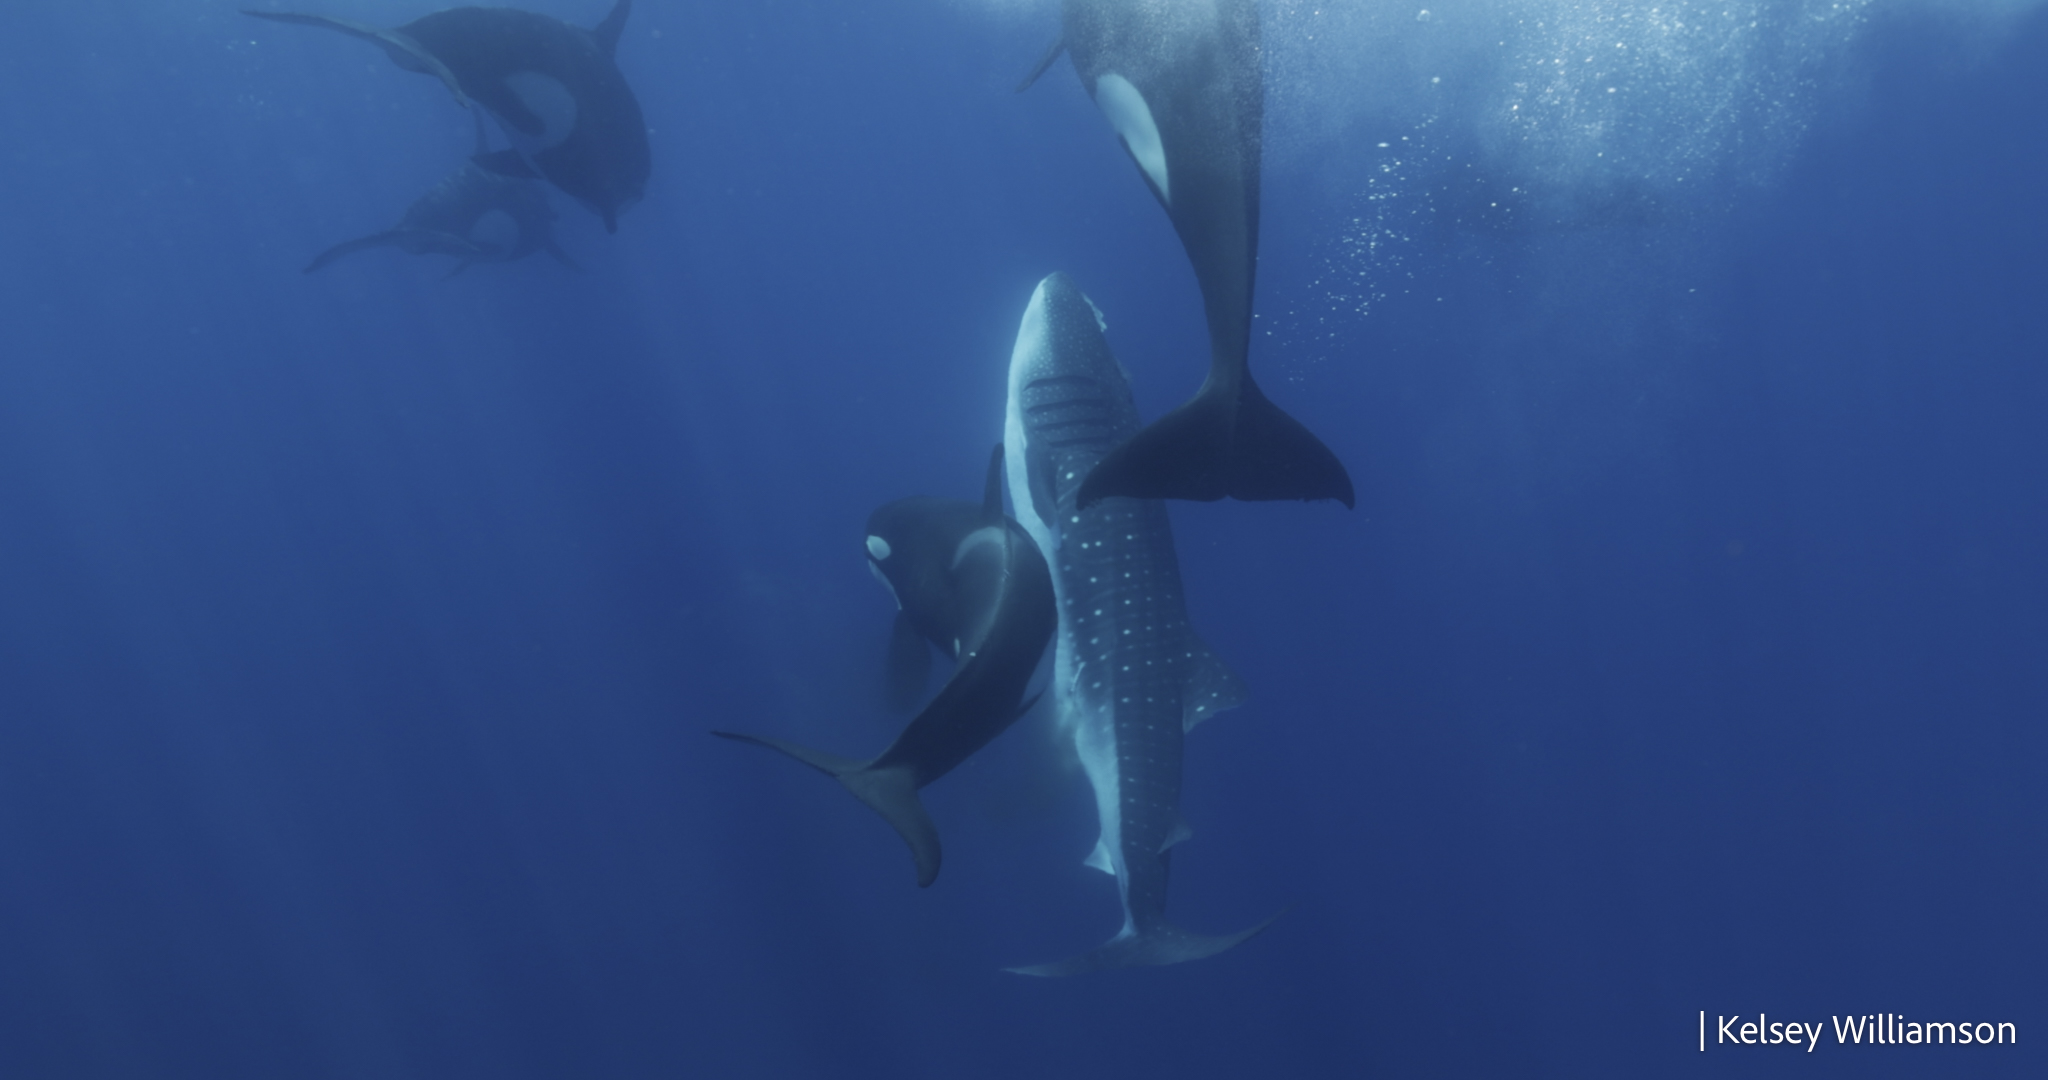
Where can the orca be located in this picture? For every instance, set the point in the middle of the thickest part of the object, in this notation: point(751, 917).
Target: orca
point(474, 215)
point(556, 90)
point(1130, 677)
point(1180, 84)
point(971, 581)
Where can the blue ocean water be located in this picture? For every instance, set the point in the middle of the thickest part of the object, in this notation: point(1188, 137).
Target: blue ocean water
point(1687, 653)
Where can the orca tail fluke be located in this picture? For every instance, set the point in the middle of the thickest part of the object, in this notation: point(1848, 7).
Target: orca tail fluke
point(1221, 444)
point(890, 792)
point(382, 239)
point(1156, 946)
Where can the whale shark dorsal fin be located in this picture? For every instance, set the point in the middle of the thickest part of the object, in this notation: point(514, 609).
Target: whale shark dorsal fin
point(1211, 687)
point(1181, 831)
point(1052, 53)
point(404, 51)
point(992, 490)
point(1100, 860)
point(606, 33)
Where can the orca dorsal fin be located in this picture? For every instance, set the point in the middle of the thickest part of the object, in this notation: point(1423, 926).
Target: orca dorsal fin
point(1052, 53)
point(992, 493)
point(607, 32)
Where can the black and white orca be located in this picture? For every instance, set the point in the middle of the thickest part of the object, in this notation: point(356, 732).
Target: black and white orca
point(473, 215)
point(1180, 83)
point(1130, 678)
point(555, 88)
point(969, 580)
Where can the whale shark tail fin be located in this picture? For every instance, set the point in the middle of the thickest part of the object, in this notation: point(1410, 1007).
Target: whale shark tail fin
point(1160, 944)
point(1221, 444)
point(891, 792)
point(403, 50)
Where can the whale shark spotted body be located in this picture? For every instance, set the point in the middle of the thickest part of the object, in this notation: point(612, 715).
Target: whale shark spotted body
point(555, 89)
point(1130, 677)
point(1181, 85)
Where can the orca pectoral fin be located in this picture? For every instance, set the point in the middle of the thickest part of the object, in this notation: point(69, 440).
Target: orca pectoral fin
point(910, 665)
point(506, 163)
point(992, 487)
point(1052, 53)
point(1160, 944)
point(388, 238)
point(403, 50)
point(890, 792)
point(1221, 444)
point(606, 34)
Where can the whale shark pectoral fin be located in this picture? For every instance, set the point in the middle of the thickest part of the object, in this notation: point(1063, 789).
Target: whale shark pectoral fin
point(404, 51)
point(1052, 53)
point(909, 666)
point(1221, 444)
point(606, 33)
point(1211, 687)
point(1159, 944)
point(890, 792)
point(1181, 833)
point(1100, 858)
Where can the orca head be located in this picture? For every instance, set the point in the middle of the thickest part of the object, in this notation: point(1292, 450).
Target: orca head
point(911, 544)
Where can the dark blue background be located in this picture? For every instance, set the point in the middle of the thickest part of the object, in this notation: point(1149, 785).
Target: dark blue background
point(359, 633)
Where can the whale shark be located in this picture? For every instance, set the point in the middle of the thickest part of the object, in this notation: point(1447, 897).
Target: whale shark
point(1130, 677)
point(474, 215)
point(1180, 84)
point(556, 89)
point(969, 580)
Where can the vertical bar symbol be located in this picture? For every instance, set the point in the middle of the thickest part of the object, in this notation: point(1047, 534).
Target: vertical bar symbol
point(1703, 1031)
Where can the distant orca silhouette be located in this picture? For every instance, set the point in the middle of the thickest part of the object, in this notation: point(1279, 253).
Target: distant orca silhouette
point(555, 89)
point(1180, 84)
point(474, 215)
point(971, 581)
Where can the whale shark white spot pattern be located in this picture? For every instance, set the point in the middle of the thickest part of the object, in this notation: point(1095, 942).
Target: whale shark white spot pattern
point(1127, 112)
